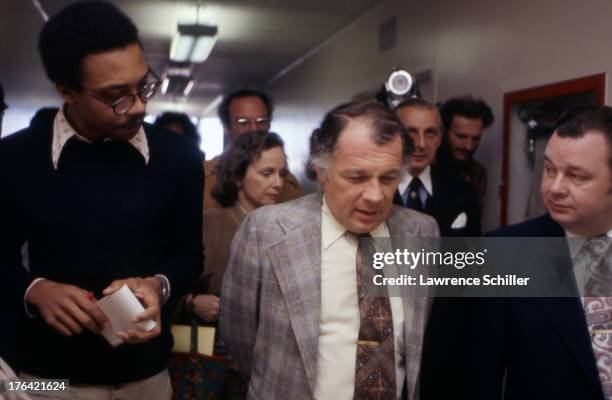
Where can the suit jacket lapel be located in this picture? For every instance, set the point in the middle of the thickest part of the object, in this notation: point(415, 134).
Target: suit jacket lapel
point(567, 315)
point(438, 205)
point(432, 206)
point(297, 265)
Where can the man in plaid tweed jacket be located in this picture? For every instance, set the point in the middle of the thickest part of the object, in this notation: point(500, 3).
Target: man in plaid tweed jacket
point(277, 301)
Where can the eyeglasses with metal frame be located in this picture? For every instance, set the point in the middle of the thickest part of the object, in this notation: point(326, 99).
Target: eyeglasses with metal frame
point(123, 104)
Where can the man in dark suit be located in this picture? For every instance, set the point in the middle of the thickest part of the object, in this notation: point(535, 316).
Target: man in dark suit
point(544, 348)
point(426, 187)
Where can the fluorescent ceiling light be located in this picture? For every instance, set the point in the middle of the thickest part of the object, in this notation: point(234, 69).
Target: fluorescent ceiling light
point(202, 48)
point(164, 86)
point(177, 85)
point(179, 69)
point(193, 43)
point(181, 47)
point(188, 88)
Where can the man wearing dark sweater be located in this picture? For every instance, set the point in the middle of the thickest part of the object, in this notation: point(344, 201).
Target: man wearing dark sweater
point(101, 201)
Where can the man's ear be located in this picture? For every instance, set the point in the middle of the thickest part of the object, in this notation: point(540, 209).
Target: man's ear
point(66, 93)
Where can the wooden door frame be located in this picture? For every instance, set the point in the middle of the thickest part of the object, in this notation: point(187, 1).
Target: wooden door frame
point(595, 83)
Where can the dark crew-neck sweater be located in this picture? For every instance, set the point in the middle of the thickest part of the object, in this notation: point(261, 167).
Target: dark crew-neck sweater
point(102, 215)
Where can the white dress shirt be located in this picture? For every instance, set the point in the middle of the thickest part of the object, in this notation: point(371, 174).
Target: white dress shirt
point(340, 320)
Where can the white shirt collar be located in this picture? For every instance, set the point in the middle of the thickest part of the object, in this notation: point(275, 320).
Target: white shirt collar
point(331, 230)
point(573, 235)
point(63, 131)
point(425, 178)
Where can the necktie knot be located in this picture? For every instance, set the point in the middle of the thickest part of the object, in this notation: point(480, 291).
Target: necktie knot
point(358, 236)
point(596, 266)
point(415, 184)
point(412, 195)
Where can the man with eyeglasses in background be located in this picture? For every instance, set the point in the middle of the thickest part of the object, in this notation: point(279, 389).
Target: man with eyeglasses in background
point(240, 112)
point(102, 200)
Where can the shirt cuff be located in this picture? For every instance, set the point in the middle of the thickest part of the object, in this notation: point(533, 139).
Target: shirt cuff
point(25, 296)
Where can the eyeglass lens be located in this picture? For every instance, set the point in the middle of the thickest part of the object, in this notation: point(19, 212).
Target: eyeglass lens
point(258, 121)
point(145, 94)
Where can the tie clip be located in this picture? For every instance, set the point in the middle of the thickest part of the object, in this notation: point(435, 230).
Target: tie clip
point(601, 331)
point(371, 343)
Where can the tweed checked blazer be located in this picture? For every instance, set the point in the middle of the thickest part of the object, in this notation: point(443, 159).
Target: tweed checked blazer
point(271, 298)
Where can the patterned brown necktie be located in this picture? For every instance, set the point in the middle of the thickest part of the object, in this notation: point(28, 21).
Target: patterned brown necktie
point(598, 310)
point(375, 368)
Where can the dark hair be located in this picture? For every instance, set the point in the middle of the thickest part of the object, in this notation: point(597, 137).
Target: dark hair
point(578, 121)
point(170, 118)
point(323, 139)
point(573, 112)
point(466, 107)
point(234, 162)
point(78, 30)
point(223, 110)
